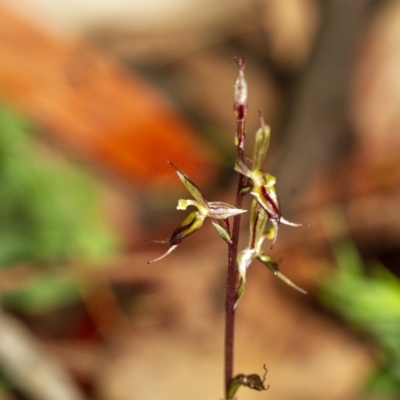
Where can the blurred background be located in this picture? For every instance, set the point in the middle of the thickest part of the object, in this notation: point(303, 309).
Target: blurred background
point(96, 97)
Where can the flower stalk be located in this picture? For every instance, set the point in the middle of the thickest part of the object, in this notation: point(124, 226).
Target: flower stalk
point(265, 210)
point(240, 108)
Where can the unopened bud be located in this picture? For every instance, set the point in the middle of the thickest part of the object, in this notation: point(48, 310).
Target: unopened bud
point(240, 91)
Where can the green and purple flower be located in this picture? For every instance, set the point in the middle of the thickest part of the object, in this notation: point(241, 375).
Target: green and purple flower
point(216, 210)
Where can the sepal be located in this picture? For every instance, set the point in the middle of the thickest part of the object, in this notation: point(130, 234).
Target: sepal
point(273, 266)
point(190, 186)
point(222, 229)
point(261, 144)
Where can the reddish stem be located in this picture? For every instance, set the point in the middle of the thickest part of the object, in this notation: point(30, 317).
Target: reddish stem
point(240, 109)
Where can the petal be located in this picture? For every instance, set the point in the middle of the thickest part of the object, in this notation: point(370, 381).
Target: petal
point(258, 221)
point(244, 259)
point(286, 222)
point(221, 210)
point(190, 186)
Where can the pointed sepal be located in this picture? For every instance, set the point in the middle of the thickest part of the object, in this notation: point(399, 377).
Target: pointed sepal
point(273, 266)
point(190, 186)
point(222, 228)
point(261, 144)
point(170, 250)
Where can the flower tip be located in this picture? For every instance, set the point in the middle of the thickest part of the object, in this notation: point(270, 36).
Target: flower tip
point(172, 164)
point(279, 275)
point(286, 222)
point(170, 250)
point(241, 62)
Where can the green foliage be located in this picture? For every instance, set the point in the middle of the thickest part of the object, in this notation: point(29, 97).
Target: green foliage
point(49, 212)
point(44, 294)
point(371, 304)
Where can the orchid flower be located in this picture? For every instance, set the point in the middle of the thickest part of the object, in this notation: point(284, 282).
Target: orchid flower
point(262, 184)
point(216, 210)
point(258, 221)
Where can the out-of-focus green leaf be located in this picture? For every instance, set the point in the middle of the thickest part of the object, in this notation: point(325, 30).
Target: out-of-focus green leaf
point(48, 209)
point(371, 304)
point(46, 293)
point(49, 213)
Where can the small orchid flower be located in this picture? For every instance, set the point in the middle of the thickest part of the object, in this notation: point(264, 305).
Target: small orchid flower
point(216, 210)
point(262, 184)
point(258, 220)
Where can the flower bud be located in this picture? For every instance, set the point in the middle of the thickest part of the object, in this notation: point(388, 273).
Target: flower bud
point(240, 91)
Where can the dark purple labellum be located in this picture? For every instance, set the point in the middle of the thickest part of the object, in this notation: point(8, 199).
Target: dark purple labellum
point(182, 231)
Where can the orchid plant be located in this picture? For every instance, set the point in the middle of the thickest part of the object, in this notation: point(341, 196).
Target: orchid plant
point(265, 209)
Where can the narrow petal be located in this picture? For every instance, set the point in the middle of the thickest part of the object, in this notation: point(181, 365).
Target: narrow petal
point(221, 210)
point(190, 186)
point(286, 222)
point(244, 259)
